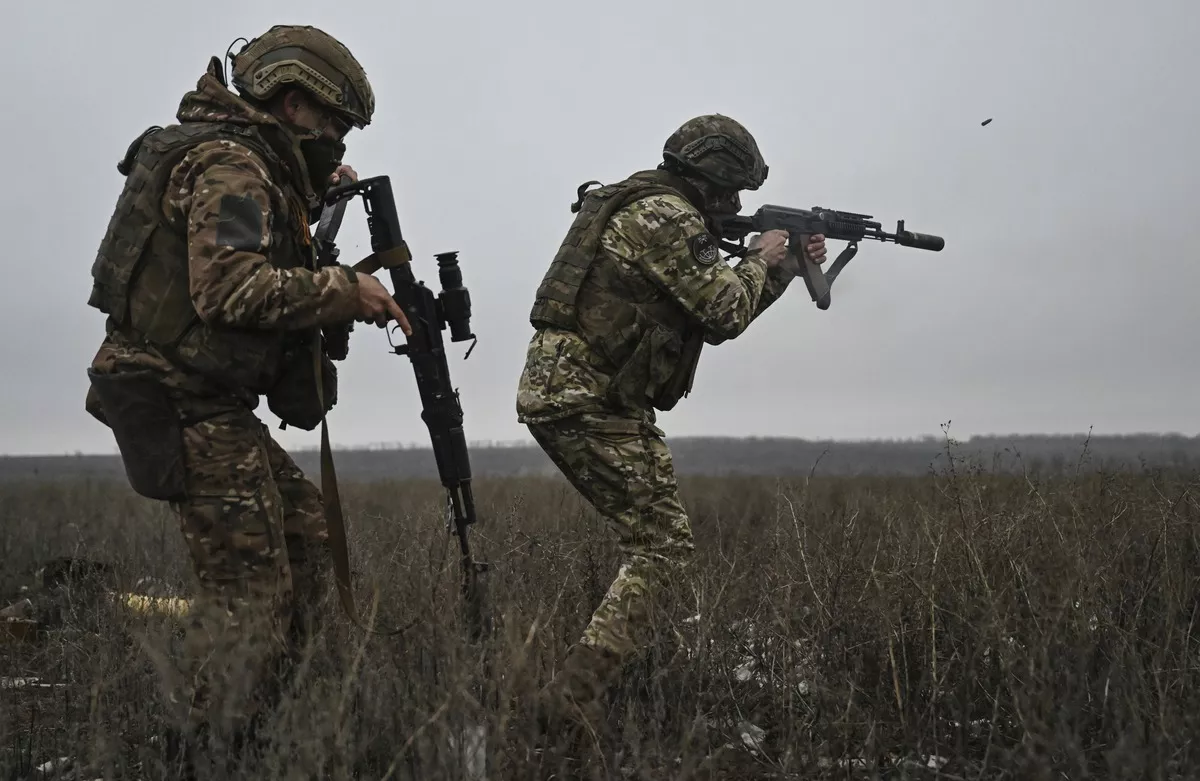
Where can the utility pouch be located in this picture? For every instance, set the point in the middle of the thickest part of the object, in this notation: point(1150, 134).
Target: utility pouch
point(293, 399)
point(146, 426)
point(679, 384)
point(642, 376)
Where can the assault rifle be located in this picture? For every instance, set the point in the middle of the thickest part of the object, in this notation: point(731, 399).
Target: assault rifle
point(834, 225)
point(428, 315)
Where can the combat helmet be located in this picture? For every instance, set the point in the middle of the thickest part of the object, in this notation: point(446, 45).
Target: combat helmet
point(304, 56)
point(719, 149)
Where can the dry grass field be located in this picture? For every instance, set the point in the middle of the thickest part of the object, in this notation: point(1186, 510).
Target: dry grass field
point(960, 625)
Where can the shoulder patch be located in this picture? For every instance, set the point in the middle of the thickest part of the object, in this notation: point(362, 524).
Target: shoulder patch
point(240, 223)
point(704, 249)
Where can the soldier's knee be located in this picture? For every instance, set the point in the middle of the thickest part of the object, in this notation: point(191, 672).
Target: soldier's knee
point(234, 542)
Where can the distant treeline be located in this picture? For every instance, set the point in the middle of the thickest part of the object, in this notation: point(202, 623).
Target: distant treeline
point(1037, 454)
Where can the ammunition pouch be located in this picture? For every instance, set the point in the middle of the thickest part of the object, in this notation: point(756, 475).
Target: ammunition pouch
point(147, 428)
point(337, 340)
point(294, 398)
point(679, 383)
point(659, 371)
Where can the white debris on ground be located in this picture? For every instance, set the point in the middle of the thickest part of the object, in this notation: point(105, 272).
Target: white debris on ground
point(748, 669)
point(57, 768)
point(976, 727)
point(762, 665)
point(756, 668)
point(752, 736)
point(28, 683)
point(853, 763)
point(59, 765)
point(744, 671)
point(931, 762)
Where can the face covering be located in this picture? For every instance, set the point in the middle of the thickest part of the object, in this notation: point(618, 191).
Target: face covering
point(322, 156)
point(722, 203)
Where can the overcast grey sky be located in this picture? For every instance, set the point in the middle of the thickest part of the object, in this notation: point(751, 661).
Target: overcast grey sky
point(1064, 298)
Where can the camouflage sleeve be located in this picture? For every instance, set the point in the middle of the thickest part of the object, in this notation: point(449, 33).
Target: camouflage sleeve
point(223, 193)
point(666, 239)
point(777, 281)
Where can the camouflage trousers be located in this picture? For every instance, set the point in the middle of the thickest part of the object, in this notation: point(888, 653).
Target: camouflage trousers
point(255, 530)
point(623, 468)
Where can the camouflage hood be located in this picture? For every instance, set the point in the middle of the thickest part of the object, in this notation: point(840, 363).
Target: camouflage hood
point(212, 101)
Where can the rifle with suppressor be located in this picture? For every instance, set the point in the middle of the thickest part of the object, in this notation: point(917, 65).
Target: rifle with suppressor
point(428, 315)
point(833, 225)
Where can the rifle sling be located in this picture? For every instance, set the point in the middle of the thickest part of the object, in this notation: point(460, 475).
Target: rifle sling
point(334, 520)
point(840, 263)
point(386, 259)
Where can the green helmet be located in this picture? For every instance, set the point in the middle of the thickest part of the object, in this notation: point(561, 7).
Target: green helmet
point(719, 149)
point(304, 56)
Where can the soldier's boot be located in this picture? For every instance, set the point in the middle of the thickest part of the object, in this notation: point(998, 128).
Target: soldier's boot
point(574, 709)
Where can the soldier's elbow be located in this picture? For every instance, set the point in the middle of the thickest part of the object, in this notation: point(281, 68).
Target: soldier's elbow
point(713, 339)
point(213, 312)
point(729, 328)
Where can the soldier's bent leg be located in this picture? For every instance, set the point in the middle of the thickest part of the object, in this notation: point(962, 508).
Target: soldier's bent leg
point(233, 525)
point(623, 468)
point(307, 540)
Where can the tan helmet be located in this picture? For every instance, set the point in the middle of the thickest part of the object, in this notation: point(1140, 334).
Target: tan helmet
point(304, 56)
point(718, 149)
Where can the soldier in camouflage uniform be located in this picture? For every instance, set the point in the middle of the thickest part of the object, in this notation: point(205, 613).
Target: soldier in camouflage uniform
point(207, 275)
point(636, 289)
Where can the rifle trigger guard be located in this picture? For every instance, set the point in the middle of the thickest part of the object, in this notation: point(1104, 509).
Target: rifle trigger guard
point(398, 349)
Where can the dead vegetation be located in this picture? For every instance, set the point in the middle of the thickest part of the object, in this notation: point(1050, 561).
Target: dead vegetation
point(963, 625)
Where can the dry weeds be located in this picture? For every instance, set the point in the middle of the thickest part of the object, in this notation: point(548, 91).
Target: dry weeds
point(964, 625)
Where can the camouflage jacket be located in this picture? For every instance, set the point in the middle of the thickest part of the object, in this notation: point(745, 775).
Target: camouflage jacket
point(657, 267)
point(229, 251)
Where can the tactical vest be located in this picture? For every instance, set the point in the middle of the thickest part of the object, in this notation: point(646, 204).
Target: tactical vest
point(140, 274)
point(649, 349)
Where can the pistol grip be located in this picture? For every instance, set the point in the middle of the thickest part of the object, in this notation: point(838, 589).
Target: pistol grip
point(814, 277)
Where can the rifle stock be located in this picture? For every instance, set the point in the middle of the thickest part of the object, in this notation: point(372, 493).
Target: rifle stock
point(833, 225)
